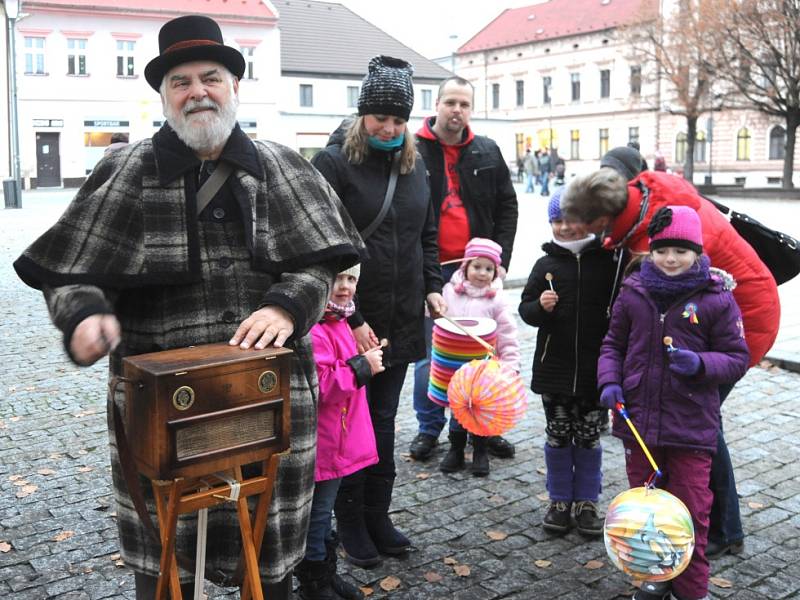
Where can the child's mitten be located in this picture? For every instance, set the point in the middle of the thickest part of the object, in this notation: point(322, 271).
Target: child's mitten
point(611, 395)
point(685, 362)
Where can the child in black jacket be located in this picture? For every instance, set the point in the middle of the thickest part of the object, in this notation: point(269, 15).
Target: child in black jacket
point(568, 297)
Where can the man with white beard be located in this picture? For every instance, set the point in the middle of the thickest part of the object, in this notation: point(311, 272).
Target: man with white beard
point(136, 264)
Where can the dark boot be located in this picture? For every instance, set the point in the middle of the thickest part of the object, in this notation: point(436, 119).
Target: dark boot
point(146, 587)
point(350, 523)
point(344, 589)
point(377, 499)
point(454, 459)
point(559, 486)
point(315, 580)
point(587, 481)
point(480, 456)
point(501, 447)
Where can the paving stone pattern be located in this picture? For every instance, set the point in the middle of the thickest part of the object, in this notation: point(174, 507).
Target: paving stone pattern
point(58, 537)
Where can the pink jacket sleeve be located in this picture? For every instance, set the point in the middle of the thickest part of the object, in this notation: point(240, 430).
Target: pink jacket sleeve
point(507, 342)
point(337, 381)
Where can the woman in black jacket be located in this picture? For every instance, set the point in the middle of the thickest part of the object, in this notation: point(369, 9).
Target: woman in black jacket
point(399, 274)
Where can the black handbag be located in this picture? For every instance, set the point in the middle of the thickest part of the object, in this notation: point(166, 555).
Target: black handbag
point(778, 251)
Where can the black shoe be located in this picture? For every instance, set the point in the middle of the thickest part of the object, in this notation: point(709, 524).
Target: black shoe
point(377, 500)
point(344, 589)
point(586, 518)
point(315, 580)
point(501, 447)
point(422, 446)
point(716, 550)
point(480, 456)
point(454, 459)
point(558, 518)
point(351, 525)
point(651, 590)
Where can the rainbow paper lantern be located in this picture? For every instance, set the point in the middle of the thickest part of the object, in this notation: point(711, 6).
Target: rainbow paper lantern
point(451, 348)
point(649, 534)
point(487, 397)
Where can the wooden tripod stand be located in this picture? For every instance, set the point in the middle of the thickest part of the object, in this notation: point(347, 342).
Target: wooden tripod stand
point(184, 495)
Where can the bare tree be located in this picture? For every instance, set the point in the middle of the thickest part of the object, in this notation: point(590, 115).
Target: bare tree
point(677, 53)
point(758, 42)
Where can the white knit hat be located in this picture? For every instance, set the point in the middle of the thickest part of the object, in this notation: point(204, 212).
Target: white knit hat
point(355, 271)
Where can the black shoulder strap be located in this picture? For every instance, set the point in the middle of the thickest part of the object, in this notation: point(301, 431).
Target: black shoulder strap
point(387, 199)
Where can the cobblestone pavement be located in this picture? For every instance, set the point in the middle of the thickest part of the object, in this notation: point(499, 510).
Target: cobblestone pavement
point(58, 537)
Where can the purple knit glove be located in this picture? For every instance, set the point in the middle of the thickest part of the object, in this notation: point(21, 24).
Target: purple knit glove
point(684, 362)
point(611, 395)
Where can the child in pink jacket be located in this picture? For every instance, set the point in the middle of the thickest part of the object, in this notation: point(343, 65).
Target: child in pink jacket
point(475, 290)
point(345, 437)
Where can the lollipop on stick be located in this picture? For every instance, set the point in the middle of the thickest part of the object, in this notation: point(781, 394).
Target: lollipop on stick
point(549, 277)
point(668, 344)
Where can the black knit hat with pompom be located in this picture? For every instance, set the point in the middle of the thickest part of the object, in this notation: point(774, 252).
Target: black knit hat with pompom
point(387, 89)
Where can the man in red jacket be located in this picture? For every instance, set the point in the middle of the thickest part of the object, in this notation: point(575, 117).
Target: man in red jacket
point(621, 210)
point(472, 196)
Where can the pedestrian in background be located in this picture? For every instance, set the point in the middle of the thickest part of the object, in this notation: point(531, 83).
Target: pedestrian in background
point(476, 290)
point(362, 159)
point(531, 164)
point(545, 167)
point(571, 311)
point(671, 392)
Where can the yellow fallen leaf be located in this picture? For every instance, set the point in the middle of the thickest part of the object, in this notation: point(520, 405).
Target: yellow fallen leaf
point(593, 564)
point(542, 470)
point(432, 577)
point(5, 547)
point(64, 535)
point(462, 570)
point(14, 419)
point(14, 477)
point(26, 491)
point(390, 583)
point(119, 563)
point(85, 469)
point(496, 536)
point(449, 560)
point(423, 475)
point(115, 557)
point(755, 505)
point(720, 582)
point(46, 472)
point(542, 564)
point(20, 482)
point(367, 591)
point(543, 497)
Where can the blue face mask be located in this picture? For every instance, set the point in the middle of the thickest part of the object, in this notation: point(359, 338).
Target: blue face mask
point(392, 144)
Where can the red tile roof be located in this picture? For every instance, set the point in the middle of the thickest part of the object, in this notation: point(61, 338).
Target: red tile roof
point(228, 10)
point(554, 19)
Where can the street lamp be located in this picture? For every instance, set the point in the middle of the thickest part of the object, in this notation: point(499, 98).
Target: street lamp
point(12, 188)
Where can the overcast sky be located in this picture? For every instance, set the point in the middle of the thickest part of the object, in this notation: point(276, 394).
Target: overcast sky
point(426, 25)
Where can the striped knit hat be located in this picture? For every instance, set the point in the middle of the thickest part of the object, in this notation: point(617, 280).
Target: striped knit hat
point(554, 206)
point(483, 248)
point(387, 89)
point(676, 226)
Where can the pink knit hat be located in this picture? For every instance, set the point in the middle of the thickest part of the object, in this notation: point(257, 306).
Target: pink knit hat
point(676, 226)
point(484, 248)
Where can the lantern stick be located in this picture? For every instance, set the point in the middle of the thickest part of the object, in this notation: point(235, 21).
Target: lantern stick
point(621, 410)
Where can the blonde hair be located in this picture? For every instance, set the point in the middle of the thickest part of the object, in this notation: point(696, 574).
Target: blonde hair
point(356, 148)
point(603, 193)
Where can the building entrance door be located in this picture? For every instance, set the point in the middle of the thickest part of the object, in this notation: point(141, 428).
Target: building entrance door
point(48, 160)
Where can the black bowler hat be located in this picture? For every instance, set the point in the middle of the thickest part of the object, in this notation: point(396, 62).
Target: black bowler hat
point(193, 37)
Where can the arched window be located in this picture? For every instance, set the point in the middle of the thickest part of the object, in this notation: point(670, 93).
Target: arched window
point(680, 148)
point(777, 143)
point(743, 144)
point(700, 147)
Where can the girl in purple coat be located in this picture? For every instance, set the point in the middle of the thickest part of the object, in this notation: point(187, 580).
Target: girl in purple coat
point(345, 437)
point(671, 391)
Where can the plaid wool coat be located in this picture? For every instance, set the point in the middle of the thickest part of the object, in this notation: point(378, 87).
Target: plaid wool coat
point(130, 244)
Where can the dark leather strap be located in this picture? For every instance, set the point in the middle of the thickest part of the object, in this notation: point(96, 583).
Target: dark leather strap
point(210, 188)
point(387, 199)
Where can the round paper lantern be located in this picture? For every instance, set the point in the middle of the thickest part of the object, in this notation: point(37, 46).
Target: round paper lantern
point(451, 348)
point(649, 534)
point(486, 397)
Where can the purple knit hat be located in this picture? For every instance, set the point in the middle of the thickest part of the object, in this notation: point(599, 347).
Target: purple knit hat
point(485, 248)
point(676, 226)
point(554, 206)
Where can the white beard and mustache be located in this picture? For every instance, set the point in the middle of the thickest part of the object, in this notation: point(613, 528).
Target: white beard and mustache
point(207, 130)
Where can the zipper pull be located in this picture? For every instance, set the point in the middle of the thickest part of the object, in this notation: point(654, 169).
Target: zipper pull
point(344, 415)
